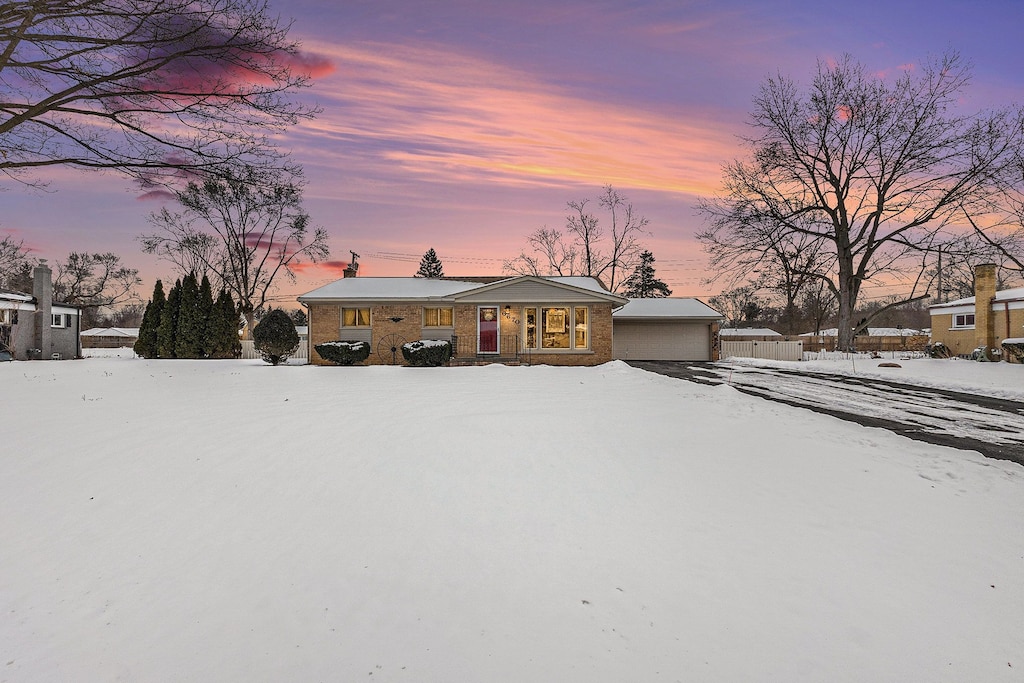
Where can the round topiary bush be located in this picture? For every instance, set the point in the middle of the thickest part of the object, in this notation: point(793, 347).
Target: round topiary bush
point(275, 337)
point(344, 352)
point(427, 352)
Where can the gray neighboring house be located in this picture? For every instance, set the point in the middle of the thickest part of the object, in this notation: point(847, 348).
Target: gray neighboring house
point(680, 329)
point(35, 327)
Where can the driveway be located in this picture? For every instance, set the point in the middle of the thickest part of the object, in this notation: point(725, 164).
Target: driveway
point(992, 426)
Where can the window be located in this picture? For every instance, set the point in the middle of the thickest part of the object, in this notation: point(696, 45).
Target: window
point(965, 320)
point(9, 316)
point(60, 320)
point(355, 317)
point(556, 327)
point(438, 317)
point(530, 318)
point(581, 328)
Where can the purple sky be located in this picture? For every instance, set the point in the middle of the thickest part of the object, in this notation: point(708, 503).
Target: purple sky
point(464, 126)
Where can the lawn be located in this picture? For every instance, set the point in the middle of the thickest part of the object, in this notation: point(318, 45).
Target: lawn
point(231, 521)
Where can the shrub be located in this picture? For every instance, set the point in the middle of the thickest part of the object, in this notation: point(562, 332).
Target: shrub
point(344, 352)
point(1013, 350)
point(275, 337)
point(427, 352)
point(938, 350)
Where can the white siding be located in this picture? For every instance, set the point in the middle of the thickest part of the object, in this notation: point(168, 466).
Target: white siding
point(649, 340)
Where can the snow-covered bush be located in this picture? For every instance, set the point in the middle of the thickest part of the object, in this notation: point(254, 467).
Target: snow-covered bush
point(938, 350)
point(427, 352)
point(275, 337)
point(1013, 350)
point(344, 352)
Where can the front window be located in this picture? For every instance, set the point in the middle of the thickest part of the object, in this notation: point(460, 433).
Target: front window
point(555, 325)
point(964, 320)
point(57, 320)
point(438, 317)
point(581, 326)
point(530, 318)
point(355, 317)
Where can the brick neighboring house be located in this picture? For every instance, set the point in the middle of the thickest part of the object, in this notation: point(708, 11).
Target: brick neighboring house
point(984, 320)
point(550, 320)
point(35, 327)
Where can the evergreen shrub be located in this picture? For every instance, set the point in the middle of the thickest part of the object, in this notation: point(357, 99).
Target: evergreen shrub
point(938, 350)
point(427, 353)
point(275, 337)
point(344, 352)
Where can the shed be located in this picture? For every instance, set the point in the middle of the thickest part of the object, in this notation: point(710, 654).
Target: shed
point(680, 329)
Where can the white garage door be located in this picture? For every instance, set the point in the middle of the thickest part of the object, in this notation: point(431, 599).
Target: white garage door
point(632, 340)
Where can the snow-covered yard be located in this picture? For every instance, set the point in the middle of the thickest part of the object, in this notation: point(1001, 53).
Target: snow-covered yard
point(230, 521)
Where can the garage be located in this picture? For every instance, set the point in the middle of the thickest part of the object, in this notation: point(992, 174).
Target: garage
point(680, 329)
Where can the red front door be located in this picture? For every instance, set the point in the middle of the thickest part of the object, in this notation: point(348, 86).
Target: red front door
point(487, 329)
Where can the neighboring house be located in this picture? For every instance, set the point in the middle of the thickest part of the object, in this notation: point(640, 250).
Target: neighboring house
point(980, 321)
point(749, 334)
point(109, 337)
point(34, 327)
point(550, 320)
point(666, 329)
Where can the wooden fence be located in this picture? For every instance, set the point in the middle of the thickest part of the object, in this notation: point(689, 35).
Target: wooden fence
point(770, 350)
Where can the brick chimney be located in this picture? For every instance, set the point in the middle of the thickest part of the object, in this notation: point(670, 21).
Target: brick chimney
point(42, 290)
point(984, 294)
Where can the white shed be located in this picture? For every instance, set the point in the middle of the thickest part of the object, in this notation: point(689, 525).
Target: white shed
point(681, 329)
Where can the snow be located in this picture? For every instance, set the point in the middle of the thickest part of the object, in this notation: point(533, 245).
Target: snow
point(669, 307)
point(1001, 380)
point(233, 521)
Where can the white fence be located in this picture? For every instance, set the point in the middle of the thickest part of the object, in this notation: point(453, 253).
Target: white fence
point(770, 350)
point(301, 353)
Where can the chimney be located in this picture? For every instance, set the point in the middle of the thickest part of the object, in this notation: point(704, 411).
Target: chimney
point(984, 294)
point(353, 267)
point(42, 290)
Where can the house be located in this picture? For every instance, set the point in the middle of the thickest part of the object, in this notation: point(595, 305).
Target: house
point(550, 320)
point(34, 327)
point(109, 337)
point(683, 329)
point(982, 321)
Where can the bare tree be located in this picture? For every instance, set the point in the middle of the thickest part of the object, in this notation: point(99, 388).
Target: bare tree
point(14, 260)
point(256, 220)
point(94, 282)
point(877, 172)
point(151, 88)
point(585, 248)
point(738, 304)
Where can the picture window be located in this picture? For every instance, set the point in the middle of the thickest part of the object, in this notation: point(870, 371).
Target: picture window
point(355, 317)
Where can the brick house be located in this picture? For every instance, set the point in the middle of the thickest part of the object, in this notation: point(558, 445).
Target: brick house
point(984, 320)
point(34, 326)
point(550, 320)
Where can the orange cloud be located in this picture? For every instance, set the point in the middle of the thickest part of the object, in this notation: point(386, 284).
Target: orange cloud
point(449, 117)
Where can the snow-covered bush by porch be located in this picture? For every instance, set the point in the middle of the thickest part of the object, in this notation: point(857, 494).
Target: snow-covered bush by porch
point(427, 352)
point(344, 352)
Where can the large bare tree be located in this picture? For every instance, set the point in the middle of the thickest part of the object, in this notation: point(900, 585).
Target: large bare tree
point(246, 227)
point(150, 88)
point(14, 260)
point(608, 251)
point(875, 172)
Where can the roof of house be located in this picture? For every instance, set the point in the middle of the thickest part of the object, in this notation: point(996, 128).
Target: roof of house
point(666, 309)
point(1015, 294)
point(111, 332)
point(748, 332)
point(418, 288)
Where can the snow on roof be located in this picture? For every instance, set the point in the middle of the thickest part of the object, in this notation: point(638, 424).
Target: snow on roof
point(748, 332)
point(1001, 295)
point(15, 296)
point(392, 288)
point(871, 332)
point(389, 288)
point(667, 308)
point(111, 332)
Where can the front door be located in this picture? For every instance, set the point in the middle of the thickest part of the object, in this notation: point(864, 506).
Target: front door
point(487, 329)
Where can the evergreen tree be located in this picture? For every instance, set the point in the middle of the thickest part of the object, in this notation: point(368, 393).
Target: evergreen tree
point(430, 265)
point(205, 313)
point(188, 338)
point(275, 337)
point(223, 328)
point(169, 323)
point(642, 283)
point(146, 345)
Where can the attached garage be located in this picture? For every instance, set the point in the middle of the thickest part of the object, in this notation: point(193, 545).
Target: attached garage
point(665, 329)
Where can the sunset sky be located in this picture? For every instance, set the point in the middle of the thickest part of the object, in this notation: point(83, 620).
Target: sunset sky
point(464, 126)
